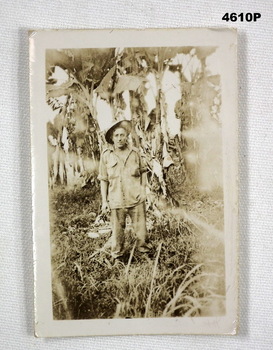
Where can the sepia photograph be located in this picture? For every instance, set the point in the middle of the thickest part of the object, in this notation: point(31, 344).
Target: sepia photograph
point(134, 161)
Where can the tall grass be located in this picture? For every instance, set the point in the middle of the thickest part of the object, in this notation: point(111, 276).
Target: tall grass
point(89, 284)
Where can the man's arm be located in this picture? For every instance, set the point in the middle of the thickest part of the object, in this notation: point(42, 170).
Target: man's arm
point(103, 177)
point(104, 193)
point(144, 179)
point(143, 170)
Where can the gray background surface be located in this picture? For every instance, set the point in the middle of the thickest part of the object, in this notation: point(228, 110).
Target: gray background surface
point(256, 168)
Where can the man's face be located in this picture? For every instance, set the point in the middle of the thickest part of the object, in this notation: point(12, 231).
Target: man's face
point(119, 138)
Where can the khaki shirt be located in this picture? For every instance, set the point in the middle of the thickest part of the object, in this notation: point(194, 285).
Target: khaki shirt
point(125, 188)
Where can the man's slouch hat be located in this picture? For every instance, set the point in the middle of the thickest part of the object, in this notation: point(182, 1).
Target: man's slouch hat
point(125, 124)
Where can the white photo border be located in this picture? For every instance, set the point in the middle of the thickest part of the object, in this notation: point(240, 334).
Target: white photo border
point(40, 41)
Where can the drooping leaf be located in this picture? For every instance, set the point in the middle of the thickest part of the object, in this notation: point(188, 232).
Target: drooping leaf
point(101, 59)
point(81, 63)
point(83, 74)
point(128, 82)
point(105, 85)
point(61, 59)
point(59, 90)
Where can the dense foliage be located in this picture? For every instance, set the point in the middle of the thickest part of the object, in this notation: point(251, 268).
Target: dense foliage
point(109, 75)
point(156, 88)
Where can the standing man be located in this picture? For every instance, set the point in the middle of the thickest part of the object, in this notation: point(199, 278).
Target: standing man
point(122, 176)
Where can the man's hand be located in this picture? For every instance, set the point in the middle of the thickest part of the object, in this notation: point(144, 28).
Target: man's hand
point(105, 209)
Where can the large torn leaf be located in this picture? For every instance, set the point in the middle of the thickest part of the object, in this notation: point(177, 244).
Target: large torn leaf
point(93, 62)
point(105, 85)
point(59, 90)
point(128, 82)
